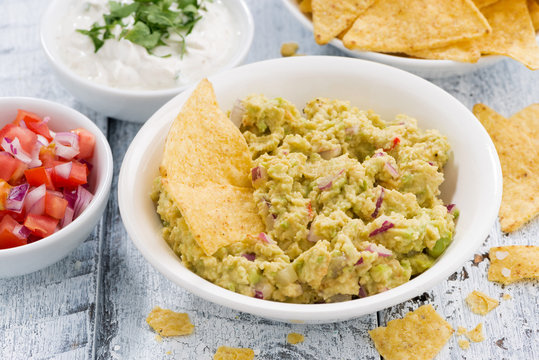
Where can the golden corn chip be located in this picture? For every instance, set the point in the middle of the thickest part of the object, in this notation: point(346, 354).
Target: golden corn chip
point(463, 51)
point(483, 3)
point(464, 344)
point(306, 6)
point(205, 169)
point(519, 157)
point(480, 303)
point(294, 338)
point(331, 17)
point(412, 25)
point(420, 335)
point(228, 353)
point(512, 263)
point(169, 323)
point(512, 33)
point(533, 8)
point(528, 118)
point(217, 214)
point(203, 145)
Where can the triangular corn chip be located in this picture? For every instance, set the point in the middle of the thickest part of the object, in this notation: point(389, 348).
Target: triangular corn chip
point(411, 25)
point(331, 17)
point(464, 51)
point(533, 8)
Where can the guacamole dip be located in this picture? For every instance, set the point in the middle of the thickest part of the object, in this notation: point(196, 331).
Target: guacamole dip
point(349, 203)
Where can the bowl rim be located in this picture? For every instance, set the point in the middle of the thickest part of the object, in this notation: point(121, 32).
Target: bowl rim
point(408, 62)
point(66, 71)
point(103, 183)
point(318, 313)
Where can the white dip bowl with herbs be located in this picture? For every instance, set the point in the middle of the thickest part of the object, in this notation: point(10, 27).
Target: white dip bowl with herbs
point(127, 58)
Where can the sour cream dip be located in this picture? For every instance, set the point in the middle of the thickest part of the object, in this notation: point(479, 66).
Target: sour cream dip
point(125, 65)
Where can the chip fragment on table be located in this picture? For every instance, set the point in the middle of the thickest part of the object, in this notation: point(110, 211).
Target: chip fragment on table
point(480, 303)
point(420, 335)
point(169, 323)
point(294, 338)
point(519, 158)
point(229, 353)
point(513, 263)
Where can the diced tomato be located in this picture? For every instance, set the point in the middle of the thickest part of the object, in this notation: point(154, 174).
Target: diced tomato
point(26, 137)
point(47, 155)
point(41, 225)
point(77, 176)
point(7, 238)
point(55, 206)
point(86, 143)
point(8, 165)
point(4, 192)
point(33, 122)
point(38, 176)
point(19, 217)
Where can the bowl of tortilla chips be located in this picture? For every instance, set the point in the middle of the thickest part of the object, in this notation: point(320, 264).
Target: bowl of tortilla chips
point(431, 38)
point(216, 202)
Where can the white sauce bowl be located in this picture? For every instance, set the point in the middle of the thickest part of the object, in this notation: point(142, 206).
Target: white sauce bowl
point(128, 104)
point(473, 178)
point(42, 253)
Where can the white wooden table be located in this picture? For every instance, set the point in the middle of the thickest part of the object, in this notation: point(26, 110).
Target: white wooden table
point(93, 304)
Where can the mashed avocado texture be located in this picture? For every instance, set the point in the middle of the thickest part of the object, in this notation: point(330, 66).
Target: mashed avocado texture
point(349, 202)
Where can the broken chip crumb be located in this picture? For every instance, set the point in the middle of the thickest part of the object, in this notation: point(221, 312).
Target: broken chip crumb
point(480, 303)
point(476, 334)
point(169, 352)
point(158, 338)
point(507, 297)
point(521, 262)
point(169, 323)
point(464, 344)
point(229, 353)
point(461, 330)
point(289, 49)
point(294, 338)
point(420, 335)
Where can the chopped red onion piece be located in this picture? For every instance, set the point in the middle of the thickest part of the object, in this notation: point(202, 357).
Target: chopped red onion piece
point(259, 175)
point(381, 251)
point(35, 200)
point(326, 183)
point(331, 153)
point(265, 238)
point(68, 217)
point(378, 154)
point(67, 139)
point(259, 294)
point(71, 196)
point(35, 162)
point(431, 163)
point(63, 170)
point(359, 262)
point(249, 256)
point(42, 140)
point(450, 208)
point(65, 152)
point(392, 171)
point(378, 203)
point(237, 112)
point(362, 293)
point(83, 199)
point(386, 225)
point(16, 196)
point(14, 148)
point(21, 231)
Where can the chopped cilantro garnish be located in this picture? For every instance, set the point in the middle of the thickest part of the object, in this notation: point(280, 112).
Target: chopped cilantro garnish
point(154, 20)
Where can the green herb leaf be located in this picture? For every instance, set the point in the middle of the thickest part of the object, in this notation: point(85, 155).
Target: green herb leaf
point(140, 34)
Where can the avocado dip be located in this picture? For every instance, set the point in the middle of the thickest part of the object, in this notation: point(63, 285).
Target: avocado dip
point(349, 203)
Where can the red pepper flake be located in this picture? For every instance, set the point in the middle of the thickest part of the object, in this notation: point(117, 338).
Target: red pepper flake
point(396, 141)
point(310, 210)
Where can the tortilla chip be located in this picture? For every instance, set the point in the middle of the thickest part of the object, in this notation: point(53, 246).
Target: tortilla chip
point(217, 214)
point(533, 8)
point(483, 3)
point(513, 263)
point(512, 33)
point(331, 17)
point(412, 25)
point(464, 344)
point(203, 145)
point(205, 170)
point(169, 323)
point(420, 335)
point(306, 6)
point(463, 51)
point(480, 303)
point(228, 353)
point(519, 157)
point(528, 118)
point(294, 338)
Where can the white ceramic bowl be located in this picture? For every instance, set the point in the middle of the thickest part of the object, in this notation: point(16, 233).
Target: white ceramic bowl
point(473, 174)
point(422, 67)
point(42, 253)
point(130, 105)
